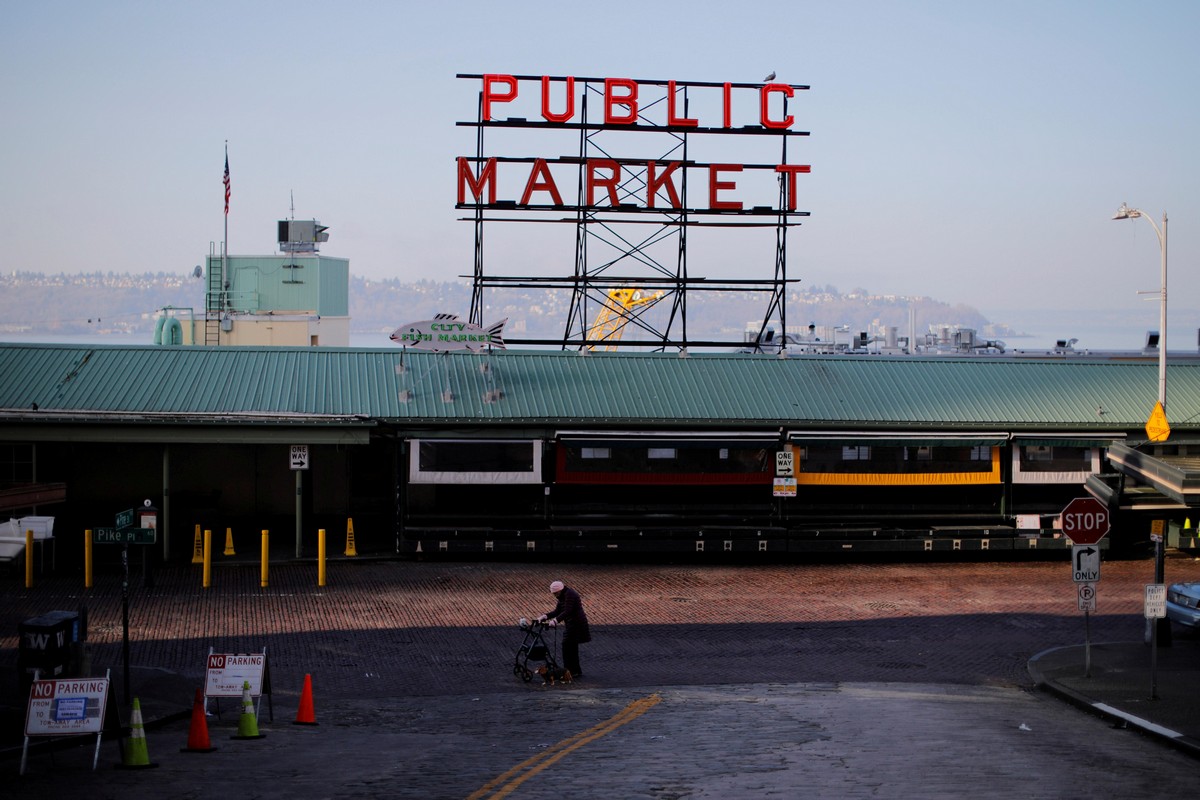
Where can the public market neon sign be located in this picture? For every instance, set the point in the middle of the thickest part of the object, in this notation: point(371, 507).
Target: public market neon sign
point(629, 105)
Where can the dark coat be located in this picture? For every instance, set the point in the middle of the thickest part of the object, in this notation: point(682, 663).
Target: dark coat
point(569, 611)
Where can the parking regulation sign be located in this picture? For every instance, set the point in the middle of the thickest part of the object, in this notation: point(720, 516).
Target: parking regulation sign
point(65, 707)
point(1087, 597)
point(1156, 600)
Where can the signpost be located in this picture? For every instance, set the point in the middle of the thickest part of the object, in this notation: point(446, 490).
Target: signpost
point(1086, 521)
point(1155, 608)
point(124, 534)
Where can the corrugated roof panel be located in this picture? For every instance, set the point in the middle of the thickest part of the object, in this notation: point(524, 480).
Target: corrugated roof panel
point(663, 389)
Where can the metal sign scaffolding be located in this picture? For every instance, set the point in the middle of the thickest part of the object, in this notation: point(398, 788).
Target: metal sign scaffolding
point(632, 216)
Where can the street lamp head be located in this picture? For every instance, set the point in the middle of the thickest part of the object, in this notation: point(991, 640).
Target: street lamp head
point(1125, 212)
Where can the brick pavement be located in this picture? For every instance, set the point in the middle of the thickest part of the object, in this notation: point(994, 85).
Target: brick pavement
point(387, 626)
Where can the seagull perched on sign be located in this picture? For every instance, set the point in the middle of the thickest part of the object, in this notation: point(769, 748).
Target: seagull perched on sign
point(770, 77)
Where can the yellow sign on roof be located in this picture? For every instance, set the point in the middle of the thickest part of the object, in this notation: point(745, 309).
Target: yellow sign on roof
point(1157, 427)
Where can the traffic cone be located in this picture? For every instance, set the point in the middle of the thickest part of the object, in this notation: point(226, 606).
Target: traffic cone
point(350, 551)
point(1187, 523)
point(305, 714)
point(198, 741)
point(229, 542)
point(198, 548)
point(135, 754)
point(247, 723)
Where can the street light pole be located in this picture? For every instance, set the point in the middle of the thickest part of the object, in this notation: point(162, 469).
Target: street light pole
point(1125, 212)
point(1164, 625)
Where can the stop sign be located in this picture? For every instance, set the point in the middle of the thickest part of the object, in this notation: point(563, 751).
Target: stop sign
point(1085, 520)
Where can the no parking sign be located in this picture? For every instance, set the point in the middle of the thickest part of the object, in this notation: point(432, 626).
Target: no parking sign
point(226, 674)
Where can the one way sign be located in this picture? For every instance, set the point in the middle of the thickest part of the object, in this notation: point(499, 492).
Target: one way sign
point(1085, 563)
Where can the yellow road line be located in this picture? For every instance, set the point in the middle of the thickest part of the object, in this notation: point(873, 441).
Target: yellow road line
point(497, 787)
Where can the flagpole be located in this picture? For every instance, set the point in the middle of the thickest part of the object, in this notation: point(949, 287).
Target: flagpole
point(224, 246)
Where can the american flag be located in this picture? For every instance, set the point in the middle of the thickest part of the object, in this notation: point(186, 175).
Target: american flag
point(226, 182)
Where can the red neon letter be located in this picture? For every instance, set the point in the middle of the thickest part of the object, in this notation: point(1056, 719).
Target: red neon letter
point(629, 100)
point(467, 179)
point(609, 183)
point(714, 185)
point(725, 92)
point(671, 118)
point(792, 170)
point(547, 114)
point(655, 182)
point(786, 91)
point(546, 184)
point(490, 96)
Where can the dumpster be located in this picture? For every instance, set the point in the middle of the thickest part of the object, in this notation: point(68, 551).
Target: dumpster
point(51, 645)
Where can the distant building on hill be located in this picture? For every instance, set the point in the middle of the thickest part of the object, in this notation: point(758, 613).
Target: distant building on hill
point(297, 298)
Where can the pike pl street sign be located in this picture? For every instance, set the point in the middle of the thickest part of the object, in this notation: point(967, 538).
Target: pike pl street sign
point(123, 535)
point(124, 532)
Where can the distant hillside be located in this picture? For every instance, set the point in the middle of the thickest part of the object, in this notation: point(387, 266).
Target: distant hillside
point(121, 303)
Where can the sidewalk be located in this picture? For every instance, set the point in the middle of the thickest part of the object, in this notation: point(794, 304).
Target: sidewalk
point(1161, 699)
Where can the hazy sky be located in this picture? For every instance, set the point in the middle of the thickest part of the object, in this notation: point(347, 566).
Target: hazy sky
point(970, 151)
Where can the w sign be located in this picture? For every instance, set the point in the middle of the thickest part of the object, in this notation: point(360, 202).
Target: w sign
point(1085, 520)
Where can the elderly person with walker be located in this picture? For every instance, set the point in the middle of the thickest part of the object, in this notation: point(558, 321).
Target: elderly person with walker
point(569, 611)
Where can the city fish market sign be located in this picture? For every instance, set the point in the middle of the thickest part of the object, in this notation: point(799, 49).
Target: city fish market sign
point(446, 332)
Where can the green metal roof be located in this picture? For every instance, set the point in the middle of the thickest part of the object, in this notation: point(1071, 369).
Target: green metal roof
point(277, 385)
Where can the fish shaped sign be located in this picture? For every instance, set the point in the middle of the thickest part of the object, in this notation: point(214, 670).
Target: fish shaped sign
point(446, 332)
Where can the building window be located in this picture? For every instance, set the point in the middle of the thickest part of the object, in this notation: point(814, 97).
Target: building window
point(16, 464)
point(856, 453)
point(674, 462)
point(475, 461)
point(1039, 452)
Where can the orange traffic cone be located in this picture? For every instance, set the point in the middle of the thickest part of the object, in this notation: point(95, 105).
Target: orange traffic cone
point(305, 714)
point(198, 741)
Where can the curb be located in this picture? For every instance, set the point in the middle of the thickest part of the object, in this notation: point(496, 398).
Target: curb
point(1121, 719)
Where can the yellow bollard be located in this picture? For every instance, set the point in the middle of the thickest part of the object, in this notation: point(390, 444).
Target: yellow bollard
point(321, 557)
point(350, 551)
point(207, 559)
point(28, 559)
point(265, 552)
point(229, 542)
point(87, 559)
point(197, 548)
